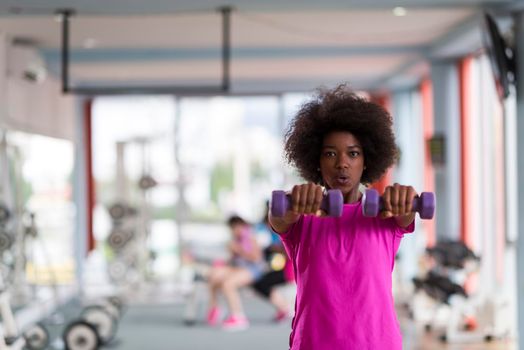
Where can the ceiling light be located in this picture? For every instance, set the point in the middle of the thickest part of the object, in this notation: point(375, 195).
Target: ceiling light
point(400, 11)
point(90, 43)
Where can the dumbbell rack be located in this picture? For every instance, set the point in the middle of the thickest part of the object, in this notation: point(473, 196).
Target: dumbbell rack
point(35, 338)
point(96, 326)
point(131, 226)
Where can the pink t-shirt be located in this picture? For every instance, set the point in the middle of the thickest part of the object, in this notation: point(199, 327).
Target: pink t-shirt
point(343, 273)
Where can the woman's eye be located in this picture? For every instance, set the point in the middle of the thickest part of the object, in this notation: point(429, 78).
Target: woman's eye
point(329, 154)
point(354, 153)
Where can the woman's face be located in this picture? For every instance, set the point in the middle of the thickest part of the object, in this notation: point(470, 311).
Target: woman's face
point(237, 230)
point(341, 161)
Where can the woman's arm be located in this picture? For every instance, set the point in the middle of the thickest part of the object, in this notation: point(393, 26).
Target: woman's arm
point(406, 220)
point(251, 253)
point(255, 253)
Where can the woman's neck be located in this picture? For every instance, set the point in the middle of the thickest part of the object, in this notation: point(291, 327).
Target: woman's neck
point(352, 196)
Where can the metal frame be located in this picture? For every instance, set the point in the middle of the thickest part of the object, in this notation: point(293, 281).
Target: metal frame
point(222, 88)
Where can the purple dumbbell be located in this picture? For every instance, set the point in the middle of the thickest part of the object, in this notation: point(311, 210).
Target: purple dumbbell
point(332, 203)
point(423, 204)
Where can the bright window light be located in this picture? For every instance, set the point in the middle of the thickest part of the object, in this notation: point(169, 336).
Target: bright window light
point(399, 11)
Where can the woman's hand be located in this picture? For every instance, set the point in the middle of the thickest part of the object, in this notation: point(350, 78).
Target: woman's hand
point(304, 199)
point(398, 203)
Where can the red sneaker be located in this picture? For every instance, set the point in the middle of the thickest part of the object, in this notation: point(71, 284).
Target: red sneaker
point(235, 323)
point(281, 316)
point(213, 316)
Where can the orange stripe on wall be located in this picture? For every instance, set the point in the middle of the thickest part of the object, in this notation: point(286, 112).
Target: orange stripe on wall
point(500, 203)
point(426, 96)
point(466, 164)
point(90, 185)
point(465, 67)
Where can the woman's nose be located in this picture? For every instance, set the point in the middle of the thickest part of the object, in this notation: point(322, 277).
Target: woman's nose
point(342, 162)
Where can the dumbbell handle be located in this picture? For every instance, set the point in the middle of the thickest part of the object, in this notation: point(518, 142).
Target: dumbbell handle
point(424, 204)
point(332, 203)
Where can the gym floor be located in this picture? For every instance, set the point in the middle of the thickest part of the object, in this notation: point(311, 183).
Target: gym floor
point(161, 327)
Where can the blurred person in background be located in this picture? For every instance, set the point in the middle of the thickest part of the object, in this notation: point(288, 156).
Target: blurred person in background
point(246, 266)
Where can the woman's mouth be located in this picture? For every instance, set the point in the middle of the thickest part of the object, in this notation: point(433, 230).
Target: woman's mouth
point(342, 180)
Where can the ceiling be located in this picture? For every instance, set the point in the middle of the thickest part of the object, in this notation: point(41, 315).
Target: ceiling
point(275, 45)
